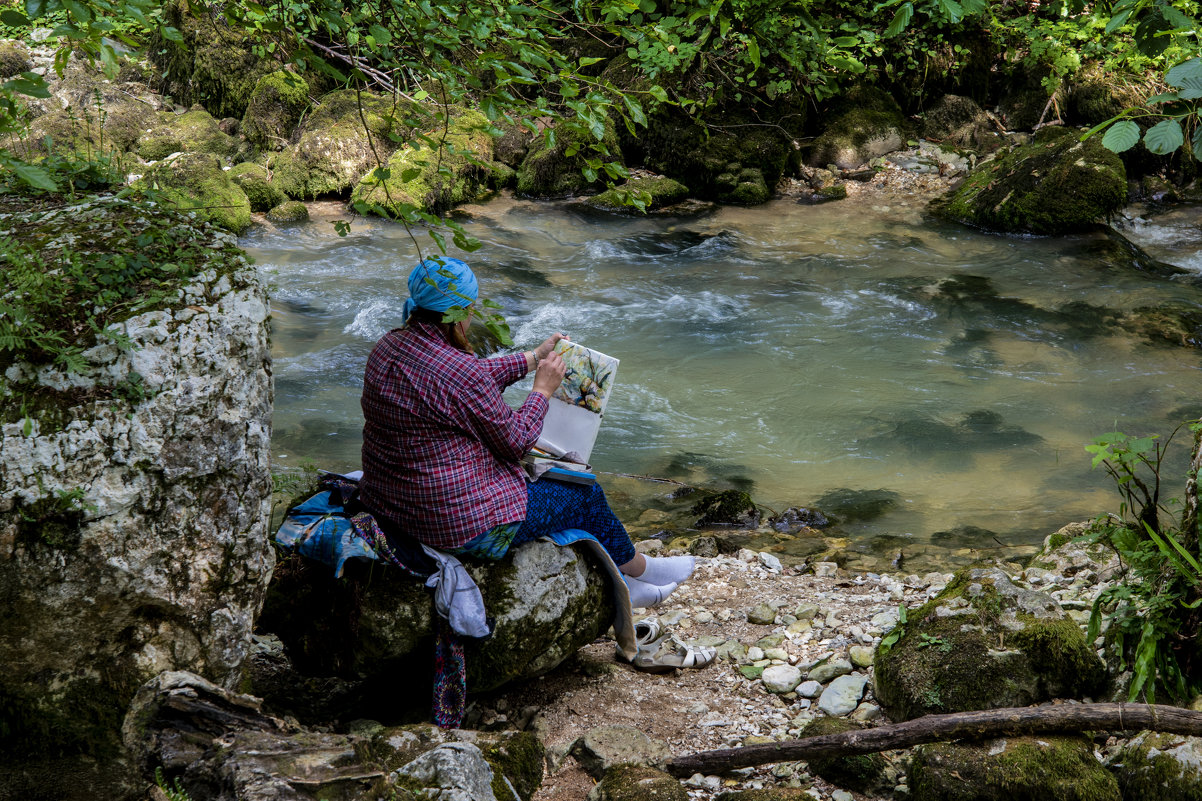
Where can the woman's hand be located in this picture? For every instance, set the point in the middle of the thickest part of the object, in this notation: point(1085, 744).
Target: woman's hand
point(544, 350)
point(549, 376)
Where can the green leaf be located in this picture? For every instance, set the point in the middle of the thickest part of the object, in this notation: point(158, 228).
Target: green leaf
point(13, 18)
point(1191, 69)
point(1118, 20)
point(1167, 97)
point(1123, 135)
point(901, 19)
point(171, 34)
point(1191, 87)
point(1162, 138)
point(439, 240)
point(658, 93)
point(35, 176)
point(753, 52)
point(953, 12)
point(1197, 141)
point(29, 84)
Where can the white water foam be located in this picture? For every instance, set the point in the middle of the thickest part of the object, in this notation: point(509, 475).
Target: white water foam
point(375, 320)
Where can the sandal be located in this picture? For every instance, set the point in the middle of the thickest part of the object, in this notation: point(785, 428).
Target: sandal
point(669, 653)
point(647, 631)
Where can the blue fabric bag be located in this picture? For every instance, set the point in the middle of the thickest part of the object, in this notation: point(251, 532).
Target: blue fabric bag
point(320, 529)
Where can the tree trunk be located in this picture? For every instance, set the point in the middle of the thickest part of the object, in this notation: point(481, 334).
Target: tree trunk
point(956, 726)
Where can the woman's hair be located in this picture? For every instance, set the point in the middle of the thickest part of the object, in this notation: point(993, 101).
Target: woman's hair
point(450, 331)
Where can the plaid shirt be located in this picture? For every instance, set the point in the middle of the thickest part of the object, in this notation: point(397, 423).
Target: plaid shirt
point(440, 445)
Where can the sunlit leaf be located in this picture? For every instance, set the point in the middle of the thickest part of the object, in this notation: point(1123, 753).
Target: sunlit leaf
point(1187, 69)
point(1162, 138)
point(901, 19)
point(1122, 136)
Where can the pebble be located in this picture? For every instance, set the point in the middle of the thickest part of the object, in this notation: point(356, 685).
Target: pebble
point(842, 795)
point(755, 653)
point(771, 562)
point(830, 669)
point(762, 614)
point(780, 678)
point(704, 617)
point(866, 712)
point(809, 689)
point(826, 569)
point(810, 611)
point(861, 655)
point(711, 783)
point(698, 709)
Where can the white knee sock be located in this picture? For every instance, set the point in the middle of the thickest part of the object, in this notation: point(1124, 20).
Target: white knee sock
point(644, 594)
point(667, 569)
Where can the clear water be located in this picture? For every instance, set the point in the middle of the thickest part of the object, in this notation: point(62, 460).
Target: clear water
point(787, 349)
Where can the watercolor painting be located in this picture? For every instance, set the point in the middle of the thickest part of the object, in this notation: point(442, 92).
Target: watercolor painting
point(589, 378)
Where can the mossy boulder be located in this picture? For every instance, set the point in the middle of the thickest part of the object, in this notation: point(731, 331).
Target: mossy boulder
point(376, 625)
point(662, 192)
point(274, 108)
point(1014, 769)
point(287, 172)
point(866, 124)
point(635, 783)
point(288, 212)
point(260, 191)
point(984, 643)
point(195, 131)
point(1096, 95)
point(196, 182)
point(1052, 185)
point(860, 772)
point(14, 58)
point(335, 150)
point(959, 122)
point(212, 63)
point(726, 508)
point(729, 159)
point(548, 170)
point(434, 179)
point(1166, 767)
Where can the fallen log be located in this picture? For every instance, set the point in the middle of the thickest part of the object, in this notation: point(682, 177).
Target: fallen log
point(955, 726)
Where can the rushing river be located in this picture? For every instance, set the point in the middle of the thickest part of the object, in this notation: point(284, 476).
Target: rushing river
point(795, 351)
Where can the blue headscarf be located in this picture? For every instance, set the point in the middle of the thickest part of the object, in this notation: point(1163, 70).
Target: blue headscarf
point(446, 293)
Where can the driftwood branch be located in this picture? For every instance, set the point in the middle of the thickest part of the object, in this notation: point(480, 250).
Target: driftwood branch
point(956, 726)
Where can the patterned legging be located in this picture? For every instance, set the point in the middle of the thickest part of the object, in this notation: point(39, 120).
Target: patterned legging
point(554, 506)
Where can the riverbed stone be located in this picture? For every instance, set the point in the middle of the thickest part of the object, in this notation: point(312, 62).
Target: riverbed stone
point(452, 772)
point(163, 560)
point(638, 783)
point(1157, 765)
point(662, 192)
point(861, 655)
point(605, 747)
point(829, 669)
point(761, 614)
point(194, 131)
point(255, 183)
point(1015, 769)
point(781, 679)
point(843, 695)
point(289, 212)
point(983, 642)
point(809, 689)
point(868, 123)
point(1053, 185)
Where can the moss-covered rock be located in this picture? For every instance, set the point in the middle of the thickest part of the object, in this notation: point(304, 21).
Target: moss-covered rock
point(726, 508)
point(274, 108)
point(376, 626)
point(714, 158)
point(14, 58)
point(195, 131)
point(262, 193)
point(1053, 185)
point(196, 182)
point(984, 643)
point(433, 180)
point(1015, 769)
point(960, 122)
point(1167, 767)
point(661, 191)
point(634, 783)
point(288, 173)
point(1021, 108)
point(861, 772)
point(1096, 95)
point(288, 212)
point(865, 124)
point(335, 150)
point(1062, 552)
point(547, 170)
point(768, 794)
point(212, 63)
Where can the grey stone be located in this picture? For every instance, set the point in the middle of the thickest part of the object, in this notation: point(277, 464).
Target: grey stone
point(762, 614)
point(608, 746)
point(861, 655)
point(165, 565)
point(809, 689)
point(780, 678)
point(830, 669)
point(771, 562)
point(808, 611)
point(452, 772)
point(866, 712)
point(842, 695)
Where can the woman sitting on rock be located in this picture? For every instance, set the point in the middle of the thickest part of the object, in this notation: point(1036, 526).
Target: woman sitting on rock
point(441, 448)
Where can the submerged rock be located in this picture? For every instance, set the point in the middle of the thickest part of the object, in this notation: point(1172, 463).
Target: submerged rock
point(1015, 769)
point(984, 643)
point(1053, 185)
point(727, 508)
point(288, 212)
point(854, 505)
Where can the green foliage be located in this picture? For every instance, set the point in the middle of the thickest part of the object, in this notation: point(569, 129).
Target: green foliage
point(1153, 616)
point(174, 791)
